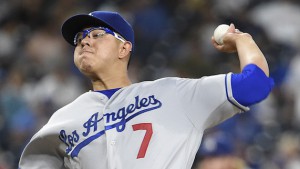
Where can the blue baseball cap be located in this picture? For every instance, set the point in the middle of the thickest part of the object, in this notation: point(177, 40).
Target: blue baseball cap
point(111, 20)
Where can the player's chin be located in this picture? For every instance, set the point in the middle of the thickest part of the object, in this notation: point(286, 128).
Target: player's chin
point(88, 73)
point(85, 67)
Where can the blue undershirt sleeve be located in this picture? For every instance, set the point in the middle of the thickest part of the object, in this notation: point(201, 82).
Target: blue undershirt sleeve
point(251, 85)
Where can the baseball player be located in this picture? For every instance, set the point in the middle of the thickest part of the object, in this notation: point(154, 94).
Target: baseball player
point(148, 125)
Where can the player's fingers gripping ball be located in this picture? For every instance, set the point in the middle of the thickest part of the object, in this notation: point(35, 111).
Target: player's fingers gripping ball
point(219, 33)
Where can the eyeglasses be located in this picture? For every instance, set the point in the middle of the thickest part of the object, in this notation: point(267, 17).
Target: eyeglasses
point(95, 33)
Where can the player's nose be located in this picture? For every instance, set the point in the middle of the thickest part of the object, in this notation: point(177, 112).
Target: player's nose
point(86, 41)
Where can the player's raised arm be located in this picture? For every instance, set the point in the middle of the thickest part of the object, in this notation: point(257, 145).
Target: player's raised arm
point(252, 84)
point(246, 48)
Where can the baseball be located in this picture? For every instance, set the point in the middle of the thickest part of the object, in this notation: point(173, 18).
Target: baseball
point(220, 32)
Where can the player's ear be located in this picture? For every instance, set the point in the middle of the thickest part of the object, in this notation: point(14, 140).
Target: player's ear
point(125, 49)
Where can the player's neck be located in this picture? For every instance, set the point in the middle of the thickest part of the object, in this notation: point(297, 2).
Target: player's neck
point(111, 83)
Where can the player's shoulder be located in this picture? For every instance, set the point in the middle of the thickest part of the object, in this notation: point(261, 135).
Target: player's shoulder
point(85, 98)
point(161, 83)
point(168, 83)
point(165, 80)
point(158, 86)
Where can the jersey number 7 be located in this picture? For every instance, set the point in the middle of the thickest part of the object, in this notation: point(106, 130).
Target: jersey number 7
point(147, 137)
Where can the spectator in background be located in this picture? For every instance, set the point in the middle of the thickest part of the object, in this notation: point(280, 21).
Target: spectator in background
point(217, 152)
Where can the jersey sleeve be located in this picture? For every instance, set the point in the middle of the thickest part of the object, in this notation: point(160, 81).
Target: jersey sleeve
point(40, 153)
point(251, 85)
point(208, 101)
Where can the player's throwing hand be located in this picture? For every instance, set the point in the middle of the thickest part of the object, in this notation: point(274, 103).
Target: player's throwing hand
point(230, 39)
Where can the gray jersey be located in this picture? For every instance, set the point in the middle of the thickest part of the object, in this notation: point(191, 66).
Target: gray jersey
point(150, 125)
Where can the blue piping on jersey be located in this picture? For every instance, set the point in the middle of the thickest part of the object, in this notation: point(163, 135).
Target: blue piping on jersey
point(85, 142)
point(109, 92)
point(235, 103)
point(248, 87)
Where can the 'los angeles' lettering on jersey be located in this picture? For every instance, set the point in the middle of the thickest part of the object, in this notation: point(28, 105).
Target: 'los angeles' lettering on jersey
point(116, 119)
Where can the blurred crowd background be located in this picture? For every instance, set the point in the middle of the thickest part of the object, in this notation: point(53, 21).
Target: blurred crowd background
point(173, 38)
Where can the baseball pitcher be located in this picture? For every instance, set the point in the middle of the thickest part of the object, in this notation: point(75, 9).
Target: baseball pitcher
point(148, 125)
